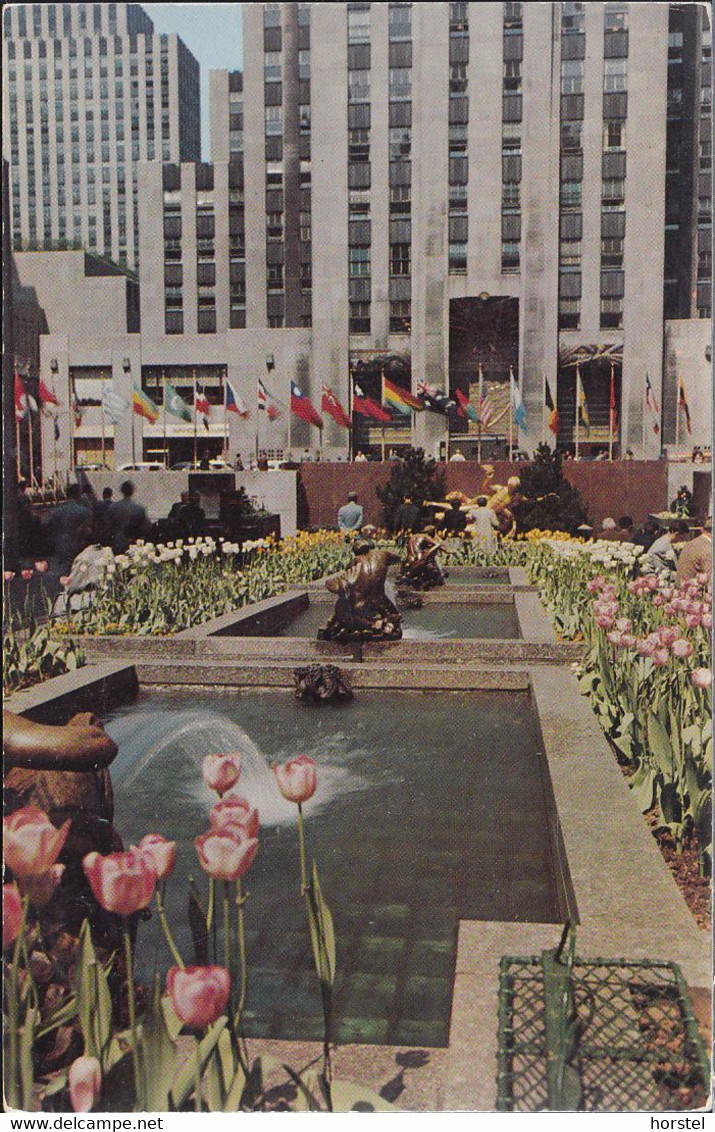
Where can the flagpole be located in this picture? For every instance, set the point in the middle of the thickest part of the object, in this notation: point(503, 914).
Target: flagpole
point(196, 417)
point(382, 426)
point(480, 394)
point(29, 444)
point(578, 382)
point(643, 415)
point(350, 406)
point(611, 410)
point(225, 418)
point(42, 452)
point(677, 416)
point(101, 413)
point(511, 412)
point(544, 425)
point(163, 405)
point(72, 421)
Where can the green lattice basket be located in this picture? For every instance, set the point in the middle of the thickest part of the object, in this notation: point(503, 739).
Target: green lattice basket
point(638, 1049)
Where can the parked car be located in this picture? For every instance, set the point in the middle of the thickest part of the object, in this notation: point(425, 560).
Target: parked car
point(142, 466)
point(213, 466)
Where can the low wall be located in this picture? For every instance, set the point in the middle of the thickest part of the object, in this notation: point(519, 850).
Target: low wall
point(635, 487)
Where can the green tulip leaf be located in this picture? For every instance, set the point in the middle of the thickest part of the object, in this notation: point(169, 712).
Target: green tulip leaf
point(702, 810)
point(660, 745)
point(670, 804)
point(642, 784)
point(158, 1053)
point(94, 1000)
point(27, 1042)
point(184, 1083)
point(322, 931)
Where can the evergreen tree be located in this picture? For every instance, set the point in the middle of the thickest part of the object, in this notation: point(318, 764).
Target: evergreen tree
point(414, 475)
point(549, 502)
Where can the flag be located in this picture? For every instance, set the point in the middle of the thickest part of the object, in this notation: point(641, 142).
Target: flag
point(435, 399)
point(201, 402)
point(273, 412)
point(466, 408)
point(266, 403)
point(333, 408)
point(517, 404)
point(174, 403)
point(144, 406)
point(303, 407)
point(612, 410)
point(31, 403)
point(484, 407)
point(113, 404)
point(77, 411)
point(582, 407)
point(234, 403)
point(683, 404)
point(651, 404)
point(46, 395)
point(367, 407)
point(395, 397)
point(262, 395)
point(20, 398)
point(553, 411)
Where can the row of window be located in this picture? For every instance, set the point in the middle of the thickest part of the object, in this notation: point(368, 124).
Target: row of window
point(458, 138)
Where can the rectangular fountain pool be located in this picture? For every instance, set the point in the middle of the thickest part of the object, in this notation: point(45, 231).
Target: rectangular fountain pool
point(430, 808)
point(434, 622)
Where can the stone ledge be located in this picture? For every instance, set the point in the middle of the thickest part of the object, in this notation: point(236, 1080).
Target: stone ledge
point(94, 687)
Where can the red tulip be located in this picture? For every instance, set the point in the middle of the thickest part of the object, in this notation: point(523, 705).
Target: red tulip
point(701, 677)
point(41, 889)
point(227, 853)
point(85, 1083)
point(161, 852)
point(121, 882)
point(297, 778)
point(41, 567)
point(32, 842)
point(221, 772)
point(26, 575)
point(234, 811)
point(8, 575)
point(11, 914)
point(198, 994)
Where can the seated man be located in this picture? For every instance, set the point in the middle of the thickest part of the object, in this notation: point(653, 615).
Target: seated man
point(420, 569)
point(696, 557)
point(661, 557)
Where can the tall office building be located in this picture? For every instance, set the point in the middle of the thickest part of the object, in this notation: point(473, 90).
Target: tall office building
point(89, 91)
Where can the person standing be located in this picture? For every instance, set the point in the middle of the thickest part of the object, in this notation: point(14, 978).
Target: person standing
point(484, 524)
point(126, 519)
point(455, 520)
point(696, 557)
point(407, 516)
point(63, 527)
point(350, 515)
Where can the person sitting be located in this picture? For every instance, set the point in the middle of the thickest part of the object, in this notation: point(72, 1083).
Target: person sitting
point(455, 520)
point(609, 529)
point(696, 557)
point(191, 521)
point(457, 457)
point(661, 557)
point(350, 515)
point(625, 529)
point(407, 516)
point(646, 535)
point(360, 458)
point(484, 524)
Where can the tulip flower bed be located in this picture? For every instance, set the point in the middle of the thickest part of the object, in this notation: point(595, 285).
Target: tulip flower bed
point(200, 1009)
point(647, 675)
point(162, 589)
point(32, 653)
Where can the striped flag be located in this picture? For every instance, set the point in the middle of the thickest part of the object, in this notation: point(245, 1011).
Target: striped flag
point(47, 396)
point(484, 407)
point(144, 406)
point(518, 405)
point(466, 408)
point(235, 403)
point(395, 397)
point(20, 398)
point(551, 406)
point(683, 404)
point(581, 405)
point(652, 405)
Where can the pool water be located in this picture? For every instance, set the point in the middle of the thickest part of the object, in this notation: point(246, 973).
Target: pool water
point(433, 622)
point(477, 576)
point(430, 808)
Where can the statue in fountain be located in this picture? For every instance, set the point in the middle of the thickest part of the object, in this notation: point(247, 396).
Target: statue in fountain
point(363, 611)
point(318, 683)
point(500, 498)
point(419, 570)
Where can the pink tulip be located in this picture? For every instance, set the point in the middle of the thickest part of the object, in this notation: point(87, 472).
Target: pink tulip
point(623, 625)
point(11, 914)
point(666, 635)
point(681, 648)
point(651, 582)
point(227, 853)
point(221, 772)
point(707, 620)
point(614, 637)
point(702, 579)
point(121, 882)
point(659, 600)
point(161, 852)
point(41, 567)
point(661, 656)
point(232, 811)
point(26, 575)
point(85, 1083)
point(41, 889)
point(32, 842)
point(297, 778)
point(198, 994)
point(693, 620)
point(604, 622)
point(627, 640)
point(693, 607)
point(65, 580)
point(8, 575)
point(701, 677)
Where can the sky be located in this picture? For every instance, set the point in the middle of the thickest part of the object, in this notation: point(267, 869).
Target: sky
point(213, 33)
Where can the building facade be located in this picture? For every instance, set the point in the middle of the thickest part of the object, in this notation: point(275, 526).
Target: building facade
point(431, 190)
point(89, 91)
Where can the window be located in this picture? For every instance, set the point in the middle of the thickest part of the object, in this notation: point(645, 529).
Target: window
point(400, 21)
point(458, 78)
point(458, 259)
point(614, 190)
point(358, 145)
point(400, 83)
point(612, 251)
point(400, 199)
point(512, 76)
point(510, 255)
point(572, 76)
point(272, 66)
point(400, 143)
point(571, 135)
point(611, 313)
point(359, 320)
point(570, 195)
point(359, 27)
point(510, 195)
point(274, 121)
point(616, 17)
point(614, 134)
point(569, 314)
point(400, 316)
point(614, 75)
point(274, 275)
point(457, 140)
point(358, 86)
point(399, 259)
point(572, 18)
point(359, 261)
point(569, 253)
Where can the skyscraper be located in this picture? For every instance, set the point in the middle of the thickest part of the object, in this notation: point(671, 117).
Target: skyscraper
point(88, 91)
